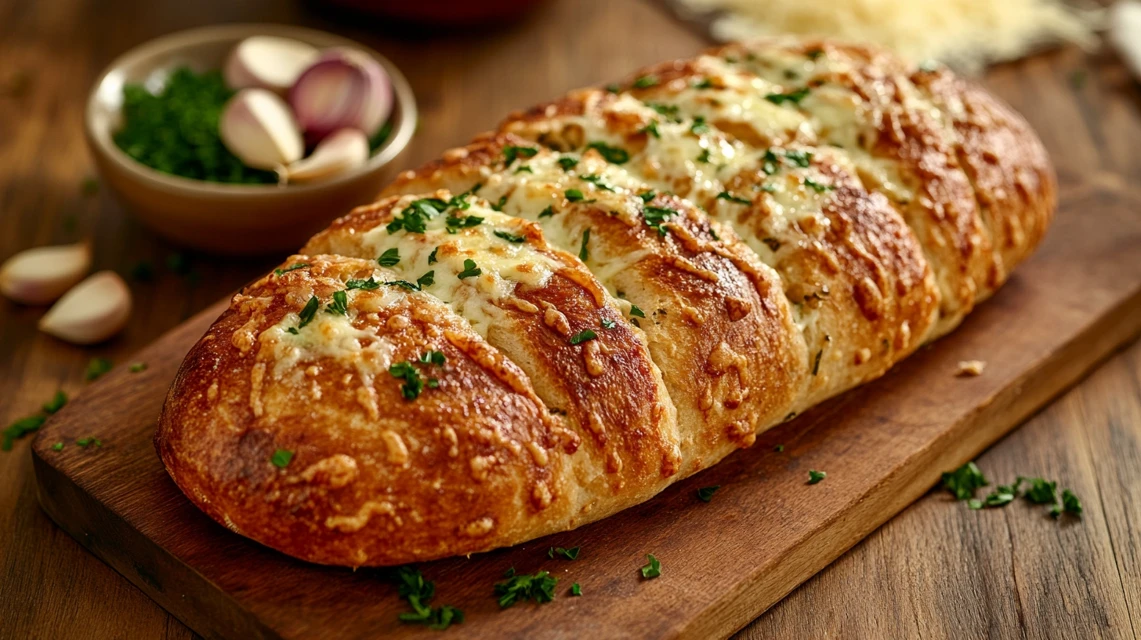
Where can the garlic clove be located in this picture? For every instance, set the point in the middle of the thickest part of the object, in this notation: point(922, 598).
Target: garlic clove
point(257, 127)
point(43, 274)
point(1125, 33)
point(93, 311)
point(268, 62)
point(340, 151)
point(344, 88)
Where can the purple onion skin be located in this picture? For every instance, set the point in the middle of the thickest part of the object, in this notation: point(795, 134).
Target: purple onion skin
point(359, 95)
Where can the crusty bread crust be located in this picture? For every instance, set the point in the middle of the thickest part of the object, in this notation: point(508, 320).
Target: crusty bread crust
point(611, 292)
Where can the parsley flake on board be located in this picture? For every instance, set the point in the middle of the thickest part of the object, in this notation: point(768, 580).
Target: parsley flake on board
point(413, 383)
point(653, 569)
point(583, 252)
point(56, 403)
point(19, 429)
point(725, 195)
point(281, 458)
point(1070, 504)
point(517, 588)
point(510, 237)
point(97, 367)
point(511, 152)
point(569, 554)
point(470, 270)
point(339, 305)
point(576, 590)
point(367, 285)
point(418, 592)
point(815, 476)
point(779, 448)
point(57, 446)
point(89, 441)
point(1042, 491)
point(963, 481)
point(389, 258)
point(705, 494)
point(583, 336)
point(293, 267)
point(614, 155)
point(792, 96)
point(137, 367)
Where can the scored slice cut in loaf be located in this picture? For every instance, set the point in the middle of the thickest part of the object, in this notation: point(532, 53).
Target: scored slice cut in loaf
point(611, 292)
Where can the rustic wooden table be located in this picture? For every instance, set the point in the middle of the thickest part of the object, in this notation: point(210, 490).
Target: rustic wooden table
point(936, 570)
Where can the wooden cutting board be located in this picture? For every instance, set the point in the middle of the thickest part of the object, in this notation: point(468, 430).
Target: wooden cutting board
point(723, 563)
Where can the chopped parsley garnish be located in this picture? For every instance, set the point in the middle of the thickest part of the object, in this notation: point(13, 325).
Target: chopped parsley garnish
point(512, 238)
point(770, 163)
point(583, 252)
point(413, 383)
point(963, 482)
point(88, 441)
point(57, 446)
point(652, 570)
point(524, 169)
point(583, 336)
point(815, 476)
point(498, 205)
point(539, 587)
point(426, 280)
point(454, 223)
point(613, 88)
point(339, 305)
point(779, 448)
point(19, 429)
point(816, 186)
point(647, 196)
point(1041, 491)
point(137, 367)
point(56, 403)
point(470, 270)
point(607, 323)
point(368, 285)
point(699, 125)
point(645, 82)
point(573, 195)
point(568, 163)
point(404, 284)
point(418, 591)
point(768, 188)
point(725, 195)
point(798, 157)
point(635, 311)
point(569, 554)
point(814, 53)
point(793, 96)
point(656, 217)
point(597, 181)
point(615, 155)
point(434, 357)
point(703, 156)
point(389, 258)
point(293, 267)
point(705, 494)
point(97, 367)
point(549, 211)
point(704, 83)
point(651, 129)
point(670, 111)
point(511, 152)
point(459, 201)
point(414, 217)
point(281, 458)
point(432, 256)
point(1070, 504)
point(576, 590)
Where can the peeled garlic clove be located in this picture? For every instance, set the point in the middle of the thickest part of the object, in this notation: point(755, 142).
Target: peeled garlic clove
point(339, 152)
point(40, 275)
point(268, 62)
point(258, 128)
point(1125, 33)
point(344, 88)
point(93, 311)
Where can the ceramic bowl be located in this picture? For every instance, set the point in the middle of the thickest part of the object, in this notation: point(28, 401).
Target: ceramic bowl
point(229, 218)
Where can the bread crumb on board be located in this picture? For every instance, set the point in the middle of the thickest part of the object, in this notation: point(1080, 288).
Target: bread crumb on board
point(970, 368)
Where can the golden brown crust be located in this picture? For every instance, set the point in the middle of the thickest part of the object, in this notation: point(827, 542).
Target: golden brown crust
point(622, 287)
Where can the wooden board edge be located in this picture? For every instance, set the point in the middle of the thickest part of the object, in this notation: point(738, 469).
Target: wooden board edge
point(1006, 410)
point(161, 576)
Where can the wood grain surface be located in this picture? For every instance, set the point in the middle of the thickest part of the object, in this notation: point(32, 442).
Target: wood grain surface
point(938, 570)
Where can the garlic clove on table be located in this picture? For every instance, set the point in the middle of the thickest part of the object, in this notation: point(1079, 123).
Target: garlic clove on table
point(93, 311)
point(257, 126)
point(339, 152)
point(43, 274)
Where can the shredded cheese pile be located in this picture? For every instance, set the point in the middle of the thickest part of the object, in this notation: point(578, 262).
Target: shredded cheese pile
point(965, 34)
